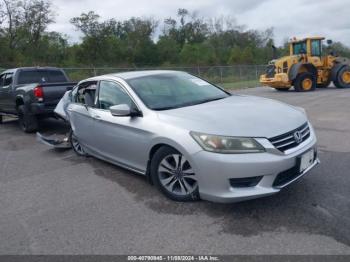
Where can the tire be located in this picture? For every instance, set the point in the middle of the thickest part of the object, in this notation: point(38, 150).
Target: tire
point(27, 122)
point(177, 182)
point(343, 78)
point(282, 89)
point(324, 85)
point(78, 149)
point(305, 82)
point(1, 119)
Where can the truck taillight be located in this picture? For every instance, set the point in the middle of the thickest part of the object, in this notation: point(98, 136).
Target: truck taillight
point(38, 93)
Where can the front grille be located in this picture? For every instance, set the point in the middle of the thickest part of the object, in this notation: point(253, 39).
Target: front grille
point(288, 140)
point(288, 175)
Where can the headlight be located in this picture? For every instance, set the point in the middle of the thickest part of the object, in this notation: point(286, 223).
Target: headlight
point(227, 144)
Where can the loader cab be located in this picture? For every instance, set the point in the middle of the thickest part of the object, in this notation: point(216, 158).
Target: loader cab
point(298, 48)
point(312, 47)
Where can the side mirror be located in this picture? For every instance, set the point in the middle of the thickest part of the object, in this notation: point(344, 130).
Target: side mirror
point(120, 110)
point(329, 42)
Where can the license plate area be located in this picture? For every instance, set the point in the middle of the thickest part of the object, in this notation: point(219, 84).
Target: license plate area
point(306, 160)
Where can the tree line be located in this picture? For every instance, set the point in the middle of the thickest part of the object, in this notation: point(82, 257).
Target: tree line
point(184, 39)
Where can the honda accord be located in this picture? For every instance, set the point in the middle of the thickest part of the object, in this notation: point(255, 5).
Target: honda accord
point(192, 139)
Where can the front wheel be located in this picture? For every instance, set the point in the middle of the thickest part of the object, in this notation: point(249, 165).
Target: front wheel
point(305, 82)
point(172, 173)
point(343, 78)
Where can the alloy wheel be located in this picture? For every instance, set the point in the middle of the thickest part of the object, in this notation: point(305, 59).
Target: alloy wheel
point(176, 175)
point(77, 146)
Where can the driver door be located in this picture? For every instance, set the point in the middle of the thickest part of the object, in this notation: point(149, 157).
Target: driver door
point(119, 139)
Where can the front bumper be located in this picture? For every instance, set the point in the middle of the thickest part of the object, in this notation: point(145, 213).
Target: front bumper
point(279, 80)
point(214, 171)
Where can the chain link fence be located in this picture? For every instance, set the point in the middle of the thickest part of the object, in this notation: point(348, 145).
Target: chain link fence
point(235, 76)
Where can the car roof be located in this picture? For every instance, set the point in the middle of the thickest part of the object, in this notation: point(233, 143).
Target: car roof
point(136, 74)
point(133, 74)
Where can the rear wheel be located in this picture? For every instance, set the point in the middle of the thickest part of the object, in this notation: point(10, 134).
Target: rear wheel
point(305, 82)
point(172, 173)
point(77, 147)
point(27, 122)
point(343, 78)
point(1, 119)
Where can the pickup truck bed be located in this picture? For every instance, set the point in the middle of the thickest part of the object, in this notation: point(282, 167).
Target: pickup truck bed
point(32, 94)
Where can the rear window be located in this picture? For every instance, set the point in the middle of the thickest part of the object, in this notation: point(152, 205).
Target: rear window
point(41, 76)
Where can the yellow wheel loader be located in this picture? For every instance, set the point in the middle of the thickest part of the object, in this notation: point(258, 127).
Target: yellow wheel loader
point(307, 68)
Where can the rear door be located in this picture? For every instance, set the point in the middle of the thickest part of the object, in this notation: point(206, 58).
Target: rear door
point(80, 117)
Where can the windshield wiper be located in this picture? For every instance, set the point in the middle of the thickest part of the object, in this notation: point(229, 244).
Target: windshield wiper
point(189, 104)
point(166, 108)
point(204, 101)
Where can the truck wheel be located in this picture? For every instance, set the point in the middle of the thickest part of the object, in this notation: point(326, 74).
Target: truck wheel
point(305, 82)
point(343, 78)
point(27, 122)
point(282, 89)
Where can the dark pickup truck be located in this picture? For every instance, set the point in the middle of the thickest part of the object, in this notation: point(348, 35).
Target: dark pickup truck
point(32, 93)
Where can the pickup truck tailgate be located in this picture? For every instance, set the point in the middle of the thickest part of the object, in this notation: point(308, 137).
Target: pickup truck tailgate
point(53, 92)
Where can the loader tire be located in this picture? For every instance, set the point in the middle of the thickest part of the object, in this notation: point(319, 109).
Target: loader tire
point(305, 82)
point(343, 78)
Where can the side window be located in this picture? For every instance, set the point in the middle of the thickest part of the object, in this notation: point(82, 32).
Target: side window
point(299, 48)
point(111, 94)
point(2, 78)
point(8, 79)
point(85, 94)
point(316, 48)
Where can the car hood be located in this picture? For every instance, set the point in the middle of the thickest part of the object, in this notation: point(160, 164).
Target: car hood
point(237, 115)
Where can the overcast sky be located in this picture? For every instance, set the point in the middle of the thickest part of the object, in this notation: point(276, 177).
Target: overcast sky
point(329, 18)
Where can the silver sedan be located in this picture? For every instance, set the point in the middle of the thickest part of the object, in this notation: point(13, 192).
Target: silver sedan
point(193, 139)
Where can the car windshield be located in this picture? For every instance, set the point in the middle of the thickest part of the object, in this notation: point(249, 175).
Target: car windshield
point(174, 90)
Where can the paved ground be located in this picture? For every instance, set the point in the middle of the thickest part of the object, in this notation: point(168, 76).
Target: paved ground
point(54, 202)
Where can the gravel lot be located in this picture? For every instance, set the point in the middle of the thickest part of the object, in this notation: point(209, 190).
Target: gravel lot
point(54, 202)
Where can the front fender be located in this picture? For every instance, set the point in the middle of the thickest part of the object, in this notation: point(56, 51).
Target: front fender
point(294, 70)
point(187, 147)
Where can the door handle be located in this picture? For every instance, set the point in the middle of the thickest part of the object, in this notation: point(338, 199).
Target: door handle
point(96, 117)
